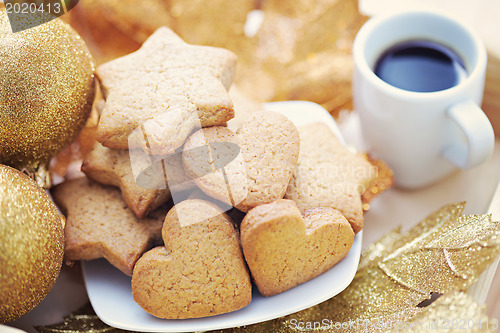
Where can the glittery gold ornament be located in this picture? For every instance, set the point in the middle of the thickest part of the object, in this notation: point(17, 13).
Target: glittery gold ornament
point(31, 244)
point(46, 91)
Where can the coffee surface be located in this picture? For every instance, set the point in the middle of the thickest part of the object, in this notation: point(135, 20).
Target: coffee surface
point(421, 66)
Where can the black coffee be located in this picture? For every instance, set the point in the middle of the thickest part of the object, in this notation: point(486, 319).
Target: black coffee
point(421, 66)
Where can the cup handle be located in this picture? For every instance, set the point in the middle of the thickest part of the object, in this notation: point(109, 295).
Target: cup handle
point(478, 132)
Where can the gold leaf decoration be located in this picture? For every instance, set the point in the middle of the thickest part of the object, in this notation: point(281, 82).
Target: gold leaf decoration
point(429, 228)
point(454, 312)
point(394, 242)
point(378, 250)
point(449, 260)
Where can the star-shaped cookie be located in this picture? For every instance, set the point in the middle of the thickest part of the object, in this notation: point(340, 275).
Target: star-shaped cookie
point(156, 96)
point(113, 167)
point(99, 224)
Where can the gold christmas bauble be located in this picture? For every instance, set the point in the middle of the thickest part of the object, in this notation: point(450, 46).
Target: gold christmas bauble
point(31, 244)
point(46, 91)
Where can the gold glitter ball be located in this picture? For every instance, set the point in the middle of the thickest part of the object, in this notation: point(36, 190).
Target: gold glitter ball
point(46, 91)
point(31, 244)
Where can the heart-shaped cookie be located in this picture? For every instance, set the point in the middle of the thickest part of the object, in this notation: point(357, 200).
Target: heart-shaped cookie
point(258, 174)
point(284, 249)
point(199, 272)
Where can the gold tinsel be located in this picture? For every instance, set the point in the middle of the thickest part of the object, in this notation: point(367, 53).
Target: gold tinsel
point(444, 253)
point(46, 91)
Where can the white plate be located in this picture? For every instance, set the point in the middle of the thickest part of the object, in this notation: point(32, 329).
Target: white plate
point(110, 292)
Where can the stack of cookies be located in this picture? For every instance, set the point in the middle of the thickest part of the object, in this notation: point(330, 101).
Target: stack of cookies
point(196, 204)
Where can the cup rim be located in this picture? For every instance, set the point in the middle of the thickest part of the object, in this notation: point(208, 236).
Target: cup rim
point(365, 32)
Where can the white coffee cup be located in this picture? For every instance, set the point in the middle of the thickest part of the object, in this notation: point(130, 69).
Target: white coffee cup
point(423, 136)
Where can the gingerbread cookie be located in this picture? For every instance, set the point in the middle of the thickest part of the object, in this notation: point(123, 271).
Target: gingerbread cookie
point(113, 167)
point(200, 272)
point(284, 249)
point(156, 96)
point(329, 175)
point(99, 224)
point(258, 173)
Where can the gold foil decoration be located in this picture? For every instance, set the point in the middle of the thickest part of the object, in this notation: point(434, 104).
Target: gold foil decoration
point(453, 312)
point(104, 40)
point(218, 23)
point(302, 51)
point(446, 256)
point(378, 250)
point(113, 28)
point(137, 19)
